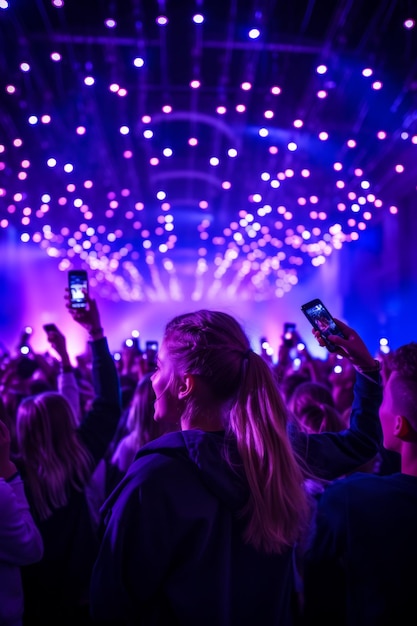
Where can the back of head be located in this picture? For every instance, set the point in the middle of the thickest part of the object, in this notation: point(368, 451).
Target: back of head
point(241, 386)
point(310, 393)
point(319, 418)
point(50, 450)
point(210, 344)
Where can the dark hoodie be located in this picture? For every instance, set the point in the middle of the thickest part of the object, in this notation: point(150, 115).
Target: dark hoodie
point(172, 552)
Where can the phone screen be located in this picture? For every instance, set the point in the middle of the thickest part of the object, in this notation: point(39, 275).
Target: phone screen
point(78, 286)
point(320, 318)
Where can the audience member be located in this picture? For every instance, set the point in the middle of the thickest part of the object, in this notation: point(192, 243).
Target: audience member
point(359, 568)
point(56, 459)
point(20, 540)
point(201, 530)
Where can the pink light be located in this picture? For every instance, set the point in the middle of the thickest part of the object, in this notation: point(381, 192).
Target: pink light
point(273, 150)
point(154, 161)
point(358, 172)
point(269, 114)
point(381, 134)
point(221, 110)
point(17, 143)
point(195, 84)
point(193, 141)
point(393, 210)
point(341, 206)
point(414, 139)
point(146, 119)
point(367, 72)
point(11, 89)
point(122, 92)
point(305, 173)
point(351, 143)
point(80, 130)
point(322, 94)
point(167, 108)
point(127, 154)
point(410, 23)
point(314, 199)
point(302, 201)
point(240, 108)
point(377, 85)
point(323, 136)
point(203, 204)
point(89, 81)
point(378, 203)
point(246, 86)
point(276, 90)
point(298, 123)
point(45, 119)
point(110, 23)
point(399, 168)
point(88, 184)
point(162, 20)
point(226, 184)
point(55, 56)
point(114, 87)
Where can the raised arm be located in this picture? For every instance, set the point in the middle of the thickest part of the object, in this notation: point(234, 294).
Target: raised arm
point(99, 425)
point(330, 455)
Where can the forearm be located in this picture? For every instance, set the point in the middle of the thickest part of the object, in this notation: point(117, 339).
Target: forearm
point(68, 387)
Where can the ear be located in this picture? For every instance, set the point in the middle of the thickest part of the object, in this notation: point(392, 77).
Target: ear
point(186, 387)
point(401, 427)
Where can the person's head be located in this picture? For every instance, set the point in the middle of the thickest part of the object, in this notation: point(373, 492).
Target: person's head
point(209, 378)
point(320, 418)
point(200, 365)
point(398, 411)
point(50, 450)
point(309, 393)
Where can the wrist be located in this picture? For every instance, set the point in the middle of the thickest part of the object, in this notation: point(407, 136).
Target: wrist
point(96, 333)
point(376, 366)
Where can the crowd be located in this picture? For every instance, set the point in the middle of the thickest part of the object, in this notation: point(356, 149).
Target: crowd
point(207, 485)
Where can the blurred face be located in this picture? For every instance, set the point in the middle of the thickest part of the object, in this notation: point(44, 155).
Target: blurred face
point(387, 416)
point(167, 405)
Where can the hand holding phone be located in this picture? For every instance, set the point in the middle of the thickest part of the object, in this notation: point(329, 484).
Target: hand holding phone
point(320, 318)
point(78, 288)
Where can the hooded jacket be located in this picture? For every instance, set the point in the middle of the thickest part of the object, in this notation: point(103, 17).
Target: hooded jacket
point(172, 552)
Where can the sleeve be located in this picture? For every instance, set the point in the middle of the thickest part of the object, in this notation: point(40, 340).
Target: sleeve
point(323, 571)
point(140, 540)
point(68, 387)
point(20, 539)
point(99, 425)
point(330, 455)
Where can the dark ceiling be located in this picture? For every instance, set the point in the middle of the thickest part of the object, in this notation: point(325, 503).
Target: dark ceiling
point(133, 193)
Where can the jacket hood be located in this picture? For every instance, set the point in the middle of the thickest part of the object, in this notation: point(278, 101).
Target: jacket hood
point(208, 452)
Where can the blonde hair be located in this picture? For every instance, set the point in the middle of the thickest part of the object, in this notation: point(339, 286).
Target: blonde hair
point(54, 458)
point(214, 346)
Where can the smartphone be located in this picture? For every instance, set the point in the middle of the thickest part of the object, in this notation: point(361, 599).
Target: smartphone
point(289, 328)
point(50, 328)
point(320, 318)
point(78, 286)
